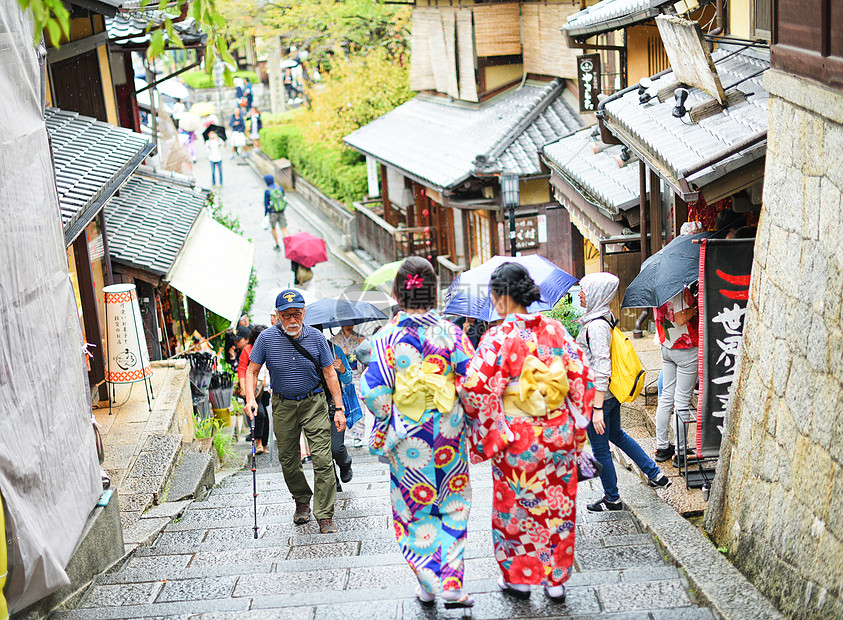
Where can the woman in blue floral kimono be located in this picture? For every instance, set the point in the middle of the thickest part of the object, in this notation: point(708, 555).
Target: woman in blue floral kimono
point(410, 387)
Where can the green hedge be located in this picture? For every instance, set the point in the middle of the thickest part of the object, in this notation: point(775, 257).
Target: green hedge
point(339, 173)
point(202, 79)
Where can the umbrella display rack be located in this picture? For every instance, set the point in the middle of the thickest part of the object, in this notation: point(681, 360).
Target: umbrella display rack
point(220, 391)
point(201, 371)
point(703, 474)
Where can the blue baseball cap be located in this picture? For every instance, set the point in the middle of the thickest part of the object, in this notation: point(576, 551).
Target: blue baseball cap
point(290, 298)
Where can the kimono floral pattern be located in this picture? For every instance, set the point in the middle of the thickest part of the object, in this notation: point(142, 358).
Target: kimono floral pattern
point(670, 334)
point(428, 458)
point(533, 457)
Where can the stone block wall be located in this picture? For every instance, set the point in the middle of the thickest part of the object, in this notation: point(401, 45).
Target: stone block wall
point(777, 502)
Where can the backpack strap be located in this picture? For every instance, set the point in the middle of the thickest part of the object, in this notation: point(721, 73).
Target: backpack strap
point(612, 324)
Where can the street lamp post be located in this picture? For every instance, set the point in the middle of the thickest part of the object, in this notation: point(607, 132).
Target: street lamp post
point(511, 199)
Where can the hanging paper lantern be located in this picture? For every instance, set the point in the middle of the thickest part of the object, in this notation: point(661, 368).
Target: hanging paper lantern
point(425, 212)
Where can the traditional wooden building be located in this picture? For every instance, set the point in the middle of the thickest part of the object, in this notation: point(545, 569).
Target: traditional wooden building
point(495, 85)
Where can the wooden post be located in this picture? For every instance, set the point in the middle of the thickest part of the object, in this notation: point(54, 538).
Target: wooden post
point(106, 258)
point(642, 204)
point(90, 316)
point(680, 213)
point(655, 213)
point(387, 205)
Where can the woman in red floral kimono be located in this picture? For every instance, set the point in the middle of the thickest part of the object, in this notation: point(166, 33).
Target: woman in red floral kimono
point(529, 391)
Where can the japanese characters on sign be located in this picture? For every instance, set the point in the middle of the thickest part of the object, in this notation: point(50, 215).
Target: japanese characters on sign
point(526, 233)
point(127, 354)
point(588, 78)
point(724, 290)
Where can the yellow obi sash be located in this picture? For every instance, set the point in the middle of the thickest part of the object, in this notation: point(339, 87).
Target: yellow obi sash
point(420, 387)
point(540, 390)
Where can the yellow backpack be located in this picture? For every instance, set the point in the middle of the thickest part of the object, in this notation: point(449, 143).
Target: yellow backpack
point(627, 378)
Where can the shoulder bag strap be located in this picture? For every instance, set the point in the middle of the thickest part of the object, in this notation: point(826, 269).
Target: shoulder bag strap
point(306, 354)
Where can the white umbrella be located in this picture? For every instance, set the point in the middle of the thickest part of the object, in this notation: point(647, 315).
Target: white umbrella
point(173, 88)
point(190, 122)
point(289, 64)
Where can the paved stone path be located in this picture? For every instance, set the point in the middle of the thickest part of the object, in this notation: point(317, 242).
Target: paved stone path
point(208, 565)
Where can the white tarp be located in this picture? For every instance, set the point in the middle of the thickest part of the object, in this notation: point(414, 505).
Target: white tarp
point(49, 474)
point(213, 267)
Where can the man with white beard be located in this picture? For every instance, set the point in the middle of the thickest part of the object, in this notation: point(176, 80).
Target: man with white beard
point(299, 404)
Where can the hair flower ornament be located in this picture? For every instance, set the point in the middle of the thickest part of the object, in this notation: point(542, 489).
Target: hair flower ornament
point(413, 281)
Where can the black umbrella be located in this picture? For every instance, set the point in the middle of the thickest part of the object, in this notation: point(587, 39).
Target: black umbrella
point(217, 129)
point(339, 312)
point(665, 273)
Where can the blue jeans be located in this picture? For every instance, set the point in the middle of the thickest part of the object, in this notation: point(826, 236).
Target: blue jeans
point(615, 434)
point(216, 165)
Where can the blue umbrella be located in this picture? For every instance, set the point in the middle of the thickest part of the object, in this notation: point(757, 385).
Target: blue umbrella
point(339, 312)
point(468, 295)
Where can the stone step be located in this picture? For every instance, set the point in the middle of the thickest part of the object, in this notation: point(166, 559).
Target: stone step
point(148, 476)
point(192, 477)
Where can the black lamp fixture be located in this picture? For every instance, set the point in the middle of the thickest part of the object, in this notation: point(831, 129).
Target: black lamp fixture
point(680, 95)
point(625, 154)
point(643, 95)
point(511, 191)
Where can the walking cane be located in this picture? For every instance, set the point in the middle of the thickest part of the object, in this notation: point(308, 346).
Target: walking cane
point(254, 473)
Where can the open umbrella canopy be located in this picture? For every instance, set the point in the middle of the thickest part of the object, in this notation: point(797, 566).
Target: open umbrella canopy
point(665, 273)
point(468, 295)
point(217, 129)
point(305, 249)
point(190, 122)
point(339, 312)
point(203, 108)
point(384, 273)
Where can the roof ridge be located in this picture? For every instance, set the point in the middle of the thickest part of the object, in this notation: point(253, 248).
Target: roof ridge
point(554, 89)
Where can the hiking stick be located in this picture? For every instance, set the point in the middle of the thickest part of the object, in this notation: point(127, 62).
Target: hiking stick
point(254, 474)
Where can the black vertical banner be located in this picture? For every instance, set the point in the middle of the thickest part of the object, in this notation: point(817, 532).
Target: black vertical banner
point(725, 269)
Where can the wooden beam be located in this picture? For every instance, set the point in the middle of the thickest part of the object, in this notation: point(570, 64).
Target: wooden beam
point(75, 48)
point(680, 214)
point(655, 212)
point(642, 205)
point(90, 316)
point(387, 205)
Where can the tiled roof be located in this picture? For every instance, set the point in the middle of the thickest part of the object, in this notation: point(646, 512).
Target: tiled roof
point(611, 15)
point(149, 221)
point(92, 159)
point(442, 143)
point(674, 145)
point(129, 28)
point(522, 156)
point(595, 176)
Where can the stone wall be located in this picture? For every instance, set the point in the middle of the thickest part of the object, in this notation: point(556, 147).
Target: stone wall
point(776, 503)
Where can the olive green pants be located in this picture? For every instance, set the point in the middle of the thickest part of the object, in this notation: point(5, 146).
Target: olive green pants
point(310, 415)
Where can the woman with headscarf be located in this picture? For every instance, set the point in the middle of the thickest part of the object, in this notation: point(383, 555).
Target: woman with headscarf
point(596, 293)
point(529, 391)
point(416, 363)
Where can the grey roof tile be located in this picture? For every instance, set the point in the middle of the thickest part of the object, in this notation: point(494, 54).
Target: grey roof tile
point(609, 15)
point(148, 223)
point(91, 159)
point(677, 144)
point(595, 175)
point(438, 141)
point(129, 28)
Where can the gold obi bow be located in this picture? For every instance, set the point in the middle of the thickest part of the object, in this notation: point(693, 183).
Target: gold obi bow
point(540, 389)
point(420, 384)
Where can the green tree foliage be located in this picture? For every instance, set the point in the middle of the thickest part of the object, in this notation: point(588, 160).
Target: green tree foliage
point(52, 17)
point(566, 313)
point(323, 26)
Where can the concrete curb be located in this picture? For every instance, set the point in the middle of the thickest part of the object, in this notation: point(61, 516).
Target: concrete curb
point(715, 581)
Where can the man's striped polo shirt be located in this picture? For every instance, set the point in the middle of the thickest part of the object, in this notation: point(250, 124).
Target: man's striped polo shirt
point(290, 373)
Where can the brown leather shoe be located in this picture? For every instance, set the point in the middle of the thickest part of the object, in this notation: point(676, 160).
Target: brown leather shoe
point(302, 514)
point(326, 526)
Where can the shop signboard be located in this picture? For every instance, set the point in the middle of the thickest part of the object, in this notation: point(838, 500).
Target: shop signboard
point(588, 79)
point(725, 269)
point(526, 233)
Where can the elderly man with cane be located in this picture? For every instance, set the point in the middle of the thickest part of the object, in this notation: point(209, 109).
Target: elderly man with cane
point(301, 369)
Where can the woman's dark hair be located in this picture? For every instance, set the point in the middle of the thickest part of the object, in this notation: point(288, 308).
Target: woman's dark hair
point(414, 287)
point(256, 330)
point(514, 280)
point(728, 220)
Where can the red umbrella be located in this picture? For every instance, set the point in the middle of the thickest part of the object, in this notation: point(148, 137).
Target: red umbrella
point(305, 249)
